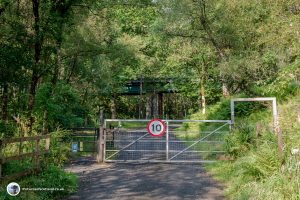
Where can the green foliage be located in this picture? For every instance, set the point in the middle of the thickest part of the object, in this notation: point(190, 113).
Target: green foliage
point(12, 167)
point(7, 129)
point(63, 107)
point(51, 177)
point(78, 56)
point(286, 84)
point(240, 140)
point(135, 19)
point(89, 51)
point(60, 148)
point(255, 172)
point(259, 164)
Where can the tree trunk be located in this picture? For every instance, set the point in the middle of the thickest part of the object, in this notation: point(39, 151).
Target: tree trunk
point(4, 102)
point(23, 126)
point(180, 107)
point(72, 68)
point(202, 85)
point(113, 107)
point(225, 90)
point(31, 100)
point(37, 53)
point(45, 123)
point(160, 104)
point(219, 50)
point(164, 106)
point(155, 105)
point(37, 44)
point(141, 100)
point(148, 107)
point(56, 67)
point(184, 109)
point(85, 121)
point(202, 94)
point(176, 105)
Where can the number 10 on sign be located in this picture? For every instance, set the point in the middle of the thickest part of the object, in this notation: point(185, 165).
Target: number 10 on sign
point(156, 127)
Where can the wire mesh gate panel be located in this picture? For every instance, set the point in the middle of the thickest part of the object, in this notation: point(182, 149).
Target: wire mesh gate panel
point(184, 141)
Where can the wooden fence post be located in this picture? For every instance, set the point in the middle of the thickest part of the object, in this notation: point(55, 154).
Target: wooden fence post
point(275, 120)
point(277, 131)
point(231, 113)
point(47, 145)
point(34, 155)
point(101, 141)
point(37, 155)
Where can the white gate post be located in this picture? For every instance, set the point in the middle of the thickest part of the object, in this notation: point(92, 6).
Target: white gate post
point(101, 139)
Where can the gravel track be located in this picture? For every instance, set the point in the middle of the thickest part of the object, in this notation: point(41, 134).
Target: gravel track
point(143, 181)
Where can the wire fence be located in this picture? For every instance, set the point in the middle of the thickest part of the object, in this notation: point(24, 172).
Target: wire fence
point(184, 141)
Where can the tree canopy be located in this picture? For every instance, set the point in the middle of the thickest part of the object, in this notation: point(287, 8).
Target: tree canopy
point(62, 61)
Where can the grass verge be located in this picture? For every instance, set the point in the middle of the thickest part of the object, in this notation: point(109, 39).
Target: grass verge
point(52, 183)
point(254, 171)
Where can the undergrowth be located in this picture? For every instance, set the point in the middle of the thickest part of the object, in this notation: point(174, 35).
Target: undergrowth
point(253, 170)
point(51, 176)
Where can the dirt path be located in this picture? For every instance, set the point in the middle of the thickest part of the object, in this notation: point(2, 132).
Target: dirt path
point(143, 181)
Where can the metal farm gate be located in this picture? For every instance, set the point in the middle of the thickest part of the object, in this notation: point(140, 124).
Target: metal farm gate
point(184, 141)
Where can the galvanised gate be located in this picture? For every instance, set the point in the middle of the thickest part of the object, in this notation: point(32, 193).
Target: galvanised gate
point(184, 141)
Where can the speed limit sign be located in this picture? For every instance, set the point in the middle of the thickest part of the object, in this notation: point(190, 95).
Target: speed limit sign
point(156, 127)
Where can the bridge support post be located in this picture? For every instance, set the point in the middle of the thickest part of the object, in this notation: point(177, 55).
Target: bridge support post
point(101, 139)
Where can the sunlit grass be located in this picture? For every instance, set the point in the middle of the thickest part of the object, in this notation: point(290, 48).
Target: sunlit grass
point(256, 173)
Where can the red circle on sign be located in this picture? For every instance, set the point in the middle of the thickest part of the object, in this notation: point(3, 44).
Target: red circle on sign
point(161, 132)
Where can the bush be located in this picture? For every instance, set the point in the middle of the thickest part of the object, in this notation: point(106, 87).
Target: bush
point(51, 177)
point(63, 106)
point(256, 172)
point(7, 130)
point(240, 140)
point(60, 148)
point(286, 83)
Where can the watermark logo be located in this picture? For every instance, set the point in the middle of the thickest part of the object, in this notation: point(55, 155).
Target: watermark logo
point(13, 189)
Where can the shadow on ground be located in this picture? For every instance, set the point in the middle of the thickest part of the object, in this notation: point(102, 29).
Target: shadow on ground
point(143, 181)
